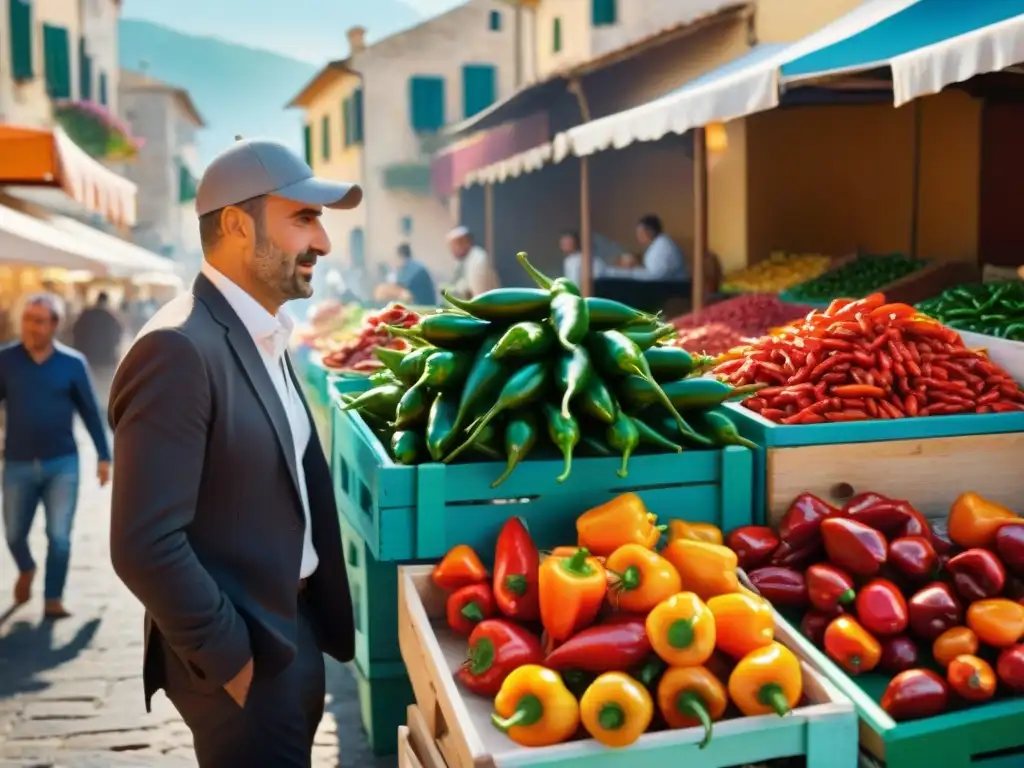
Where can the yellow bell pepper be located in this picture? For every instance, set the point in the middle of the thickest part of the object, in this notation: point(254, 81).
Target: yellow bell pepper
point(707, 569)
point(642, 578)
point(682, 630)
point(690, 696)
point(743, 623)
point(616, 709)
point(535, 709)
point(680, 529)
point(623, 520)
point(767, 680)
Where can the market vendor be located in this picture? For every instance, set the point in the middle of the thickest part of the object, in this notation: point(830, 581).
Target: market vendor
point(474, 270)
point(572, 266)
point(662, 258)
point(410, 282)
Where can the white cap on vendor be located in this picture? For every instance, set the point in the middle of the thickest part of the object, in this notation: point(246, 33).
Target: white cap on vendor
point(459, 231)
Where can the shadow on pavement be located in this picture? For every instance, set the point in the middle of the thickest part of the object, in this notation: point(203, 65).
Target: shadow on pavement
point(26, 650)
point(343, 704)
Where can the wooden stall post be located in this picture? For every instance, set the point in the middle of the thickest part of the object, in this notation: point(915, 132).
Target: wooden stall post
point(489, 219)
point(586, 252)
point(700, 214)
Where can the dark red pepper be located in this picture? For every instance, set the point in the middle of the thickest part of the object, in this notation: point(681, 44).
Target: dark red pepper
point(939, 535)
point(496, 648)
point(977, 574)
point(789, 557)
point(829, 588)
point(780, 586)
point(468, 606)
point(813, 625)
point(603, 648)
point(878, 512)
point(1010, 546)
point(854, 546)
point(800, 524)
point(898, 654)
point(881, 608)
point(932, 610)
point(753, 545)
point(516, 563)
point(1010, 667)
point(914, 694)
point(913, 557)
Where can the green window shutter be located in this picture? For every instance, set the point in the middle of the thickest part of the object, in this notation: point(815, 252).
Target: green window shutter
point(325, 138)
point(346, 118)
point(603, 12)
point(57, 53)
point(20, 18)
point(426, 103)
point(307, 143)
point(84, 72)
point(357, 116)
point(479, 83)
point(187, 183)
point(556, 35)
point(495, 21)
point(103, 88)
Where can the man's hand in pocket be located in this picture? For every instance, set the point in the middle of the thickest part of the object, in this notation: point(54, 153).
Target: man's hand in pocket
point(238, 686)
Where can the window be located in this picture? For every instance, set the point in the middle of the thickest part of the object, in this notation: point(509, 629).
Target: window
point(84, 72)
point(406, 225)
point(478, 87)
point(20, 18)
point(346, 121)
point(103, 88)
point(325, 138)
point(307, 143)
point(57, 56)
point(426, 103)
point(495, 21)
point(357, 259)
point(353, 110)
point(556, 36)
point(603, 12)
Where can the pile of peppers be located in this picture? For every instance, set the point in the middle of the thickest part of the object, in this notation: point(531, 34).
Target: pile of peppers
point(613, 634)
point(529, 372)
point(995, 309)
point(884, 591)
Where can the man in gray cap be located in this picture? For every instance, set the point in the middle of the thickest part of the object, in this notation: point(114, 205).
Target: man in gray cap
point(223, 522)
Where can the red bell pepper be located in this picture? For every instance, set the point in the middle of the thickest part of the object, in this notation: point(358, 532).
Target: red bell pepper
point(877, 511)
point(881, 608)
point(516, 563)
point(1010, 667)
point(814, 624)
point(914, 694)
point(789, 557)
point(977, 574)
point(604, 648)
point(1010, 546)
point(468, 606)
point(829, 588)
point(939, 536)
point(780, 586)
point(800, 525)
point(853, 546)
point(899, 654)
point(496, 648)
point(753, 545)
point(913, 557)
point(933, 610)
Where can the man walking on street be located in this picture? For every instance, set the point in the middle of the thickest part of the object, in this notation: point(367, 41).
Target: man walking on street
point(43, 385)
point(97, 334)
point(223, 521)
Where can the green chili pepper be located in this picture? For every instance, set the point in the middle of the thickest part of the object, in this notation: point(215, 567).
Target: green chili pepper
point(1014, 331)
point(651, 436)
point(701, 393)
point(526, 339)
point(411, 368)
point(572, 373)
point(488, 443)
point(670, 363)
point(520, 438)
point(445, 369)
point(377, 378)
point(413, 408)
point(505, 304)
point(565, 434)
point(445, 329)
point(535, 274)
point(959, 312)
point(407, 447)
point(607, 314)
point(667, 426)
point(523, 387)
point(486, 375)
point(373, 421)
point(595, 445)
point(380, 401)
point(719, 428)
point(597, 402)
point(649, 673)
point(570, 317)
point(647, 339)
point(442, 424)
point(391, 358)
point(624, 438)
point(578, 681)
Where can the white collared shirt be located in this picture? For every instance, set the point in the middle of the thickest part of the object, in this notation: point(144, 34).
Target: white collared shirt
point(271, 336)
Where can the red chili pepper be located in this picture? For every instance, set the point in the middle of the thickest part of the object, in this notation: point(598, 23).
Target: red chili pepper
point(977, 574)
point(814, 624)
point(497, 648)
point(829, 588)
point(877, 511)
point(914, 694)
point(753, 545)
point(932, 610)
point(790, 557)
point(913, 557)
point(780, 586)
point(468, 606)
point(516, 561)
point(881, 608)
point(1010, 667)
point(1010, 546)
point(854, 546)
point(800, 525)
point(899, 654)
point(602, 648)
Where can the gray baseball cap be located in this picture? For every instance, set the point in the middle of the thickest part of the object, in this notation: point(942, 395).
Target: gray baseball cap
point(253, 167)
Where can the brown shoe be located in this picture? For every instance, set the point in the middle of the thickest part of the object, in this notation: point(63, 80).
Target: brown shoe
point(55, 610)
point(23, 587)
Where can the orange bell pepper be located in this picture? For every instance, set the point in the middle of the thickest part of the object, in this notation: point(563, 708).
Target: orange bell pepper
point(851, 646)
point(623, 520)
point(955, 641)
point(997, 621)
point(642, 578)
point(565, 551)
point(767, 680)
point(572, 590)
point(682, 630)
point(706, 532)
point(972, 678)
point(974, 521)
point(535, 708)
point(616, 709)
point(706, 569)
point(691, 696)
point(743, 623)
point(459, 568)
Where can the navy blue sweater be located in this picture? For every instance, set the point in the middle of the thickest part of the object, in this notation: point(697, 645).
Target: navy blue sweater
point(41, 402)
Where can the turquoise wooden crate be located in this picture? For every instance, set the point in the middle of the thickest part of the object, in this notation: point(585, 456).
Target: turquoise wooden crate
point(383, 702)
point(768, 435)
point(409, 513)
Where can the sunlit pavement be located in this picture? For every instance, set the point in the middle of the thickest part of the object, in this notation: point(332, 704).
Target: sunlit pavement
point(71, 691)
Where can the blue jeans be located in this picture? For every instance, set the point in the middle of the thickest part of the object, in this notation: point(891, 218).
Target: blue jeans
point(54, 482)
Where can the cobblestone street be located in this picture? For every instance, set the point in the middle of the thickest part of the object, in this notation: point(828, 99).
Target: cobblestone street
point(71, 691)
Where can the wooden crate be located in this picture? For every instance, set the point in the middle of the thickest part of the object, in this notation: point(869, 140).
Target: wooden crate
point(824, 730)
point(421, 741)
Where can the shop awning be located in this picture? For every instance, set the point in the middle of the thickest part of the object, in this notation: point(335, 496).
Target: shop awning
point(124, 259)
point(27, 240)
point(928, 45)
point(48, 158)
point(524, 162)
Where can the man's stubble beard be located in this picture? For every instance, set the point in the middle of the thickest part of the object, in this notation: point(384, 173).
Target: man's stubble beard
point(277, 270)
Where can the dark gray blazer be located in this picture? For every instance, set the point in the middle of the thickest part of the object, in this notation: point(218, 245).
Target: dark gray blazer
point(206, 524)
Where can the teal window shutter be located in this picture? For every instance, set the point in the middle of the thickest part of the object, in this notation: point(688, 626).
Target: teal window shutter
point(103, 88)
point(57, 53)
point(84, 72)
point(479, 83)
point(604, 12)
point(346, 116)
point(495, 21)
point(357, 116)
point(20, 18)
point(307, 142)
point(426, 103)
point(556, 35)
point(325, 137)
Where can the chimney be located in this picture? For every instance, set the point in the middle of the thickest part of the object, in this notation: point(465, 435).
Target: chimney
point(356, 39)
